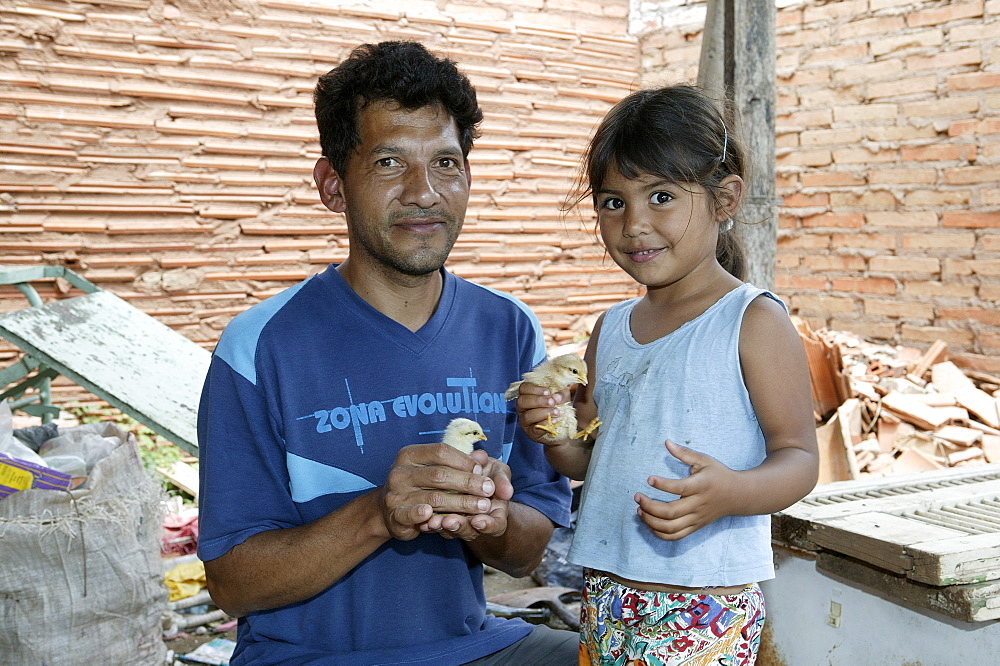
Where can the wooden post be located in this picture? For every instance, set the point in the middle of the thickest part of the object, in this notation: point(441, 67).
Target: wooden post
point(750, 80)
point(711, 77)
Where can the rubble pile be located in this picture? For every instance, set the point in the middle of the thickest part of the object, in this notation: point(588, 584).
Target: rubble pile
point(883, 410)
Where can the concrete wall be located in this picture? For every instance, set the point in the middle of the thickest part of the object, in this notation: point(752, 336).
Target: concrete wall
point(888, 162)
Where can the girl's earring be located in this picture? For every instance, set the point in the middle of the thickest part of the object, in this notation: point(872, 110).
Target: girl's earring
point(726, 225)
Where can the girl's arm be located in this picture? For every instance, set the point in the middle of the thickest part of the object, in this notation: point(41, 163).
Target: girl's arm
point(569, 457)
point(776, 374)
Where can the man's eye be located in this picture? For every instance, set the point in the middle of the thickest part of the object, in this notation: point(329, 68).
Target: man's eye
point(386, 162)
point(660, 197)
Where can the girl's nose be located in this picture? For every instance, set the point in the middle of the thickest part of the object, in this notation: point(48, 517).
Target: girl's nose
point(634, 225)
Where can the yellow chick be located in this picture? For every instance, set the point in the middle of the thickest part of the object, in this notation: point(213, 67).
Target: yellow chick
point(557, 374)
point(462, 434)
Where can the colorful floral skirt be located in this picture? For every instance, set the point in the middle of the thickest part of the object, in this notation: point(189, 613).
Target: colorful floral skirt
point(622, 626)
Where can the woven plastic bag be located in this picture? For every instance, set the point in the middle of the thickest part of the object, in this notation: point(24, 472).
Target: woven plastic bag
point(81, 579)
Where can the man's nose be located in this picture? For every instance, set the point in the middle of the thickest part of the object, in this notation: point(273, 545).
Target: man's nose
point(419, 188)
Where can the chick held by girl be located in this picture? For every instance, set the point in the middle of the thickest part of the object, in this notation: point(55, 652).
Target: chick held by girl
point(703, 388)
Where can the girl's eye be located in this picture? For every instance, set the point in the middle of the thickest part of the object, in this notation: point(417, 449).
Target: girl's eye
point(660, 197)
point(612, 203)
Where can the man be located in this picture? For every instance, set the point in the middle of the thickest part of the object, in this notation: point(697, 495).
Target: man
point(333, 523)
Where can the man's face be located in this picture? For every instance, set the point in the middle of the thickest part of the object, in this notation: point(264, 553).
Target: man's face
point(406, 188)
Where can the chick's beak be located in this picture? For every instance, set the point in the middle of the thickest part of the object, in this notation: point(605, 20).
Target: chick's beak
point(480, 437)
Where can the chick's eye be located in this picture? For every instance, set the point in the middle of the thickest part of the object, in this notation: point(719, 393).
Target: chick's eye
point(660, 197)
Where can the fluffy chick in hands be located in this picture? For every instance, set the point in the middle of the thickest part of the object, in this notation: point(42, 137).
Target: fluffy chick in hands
point(555, 375)
point(462, 434)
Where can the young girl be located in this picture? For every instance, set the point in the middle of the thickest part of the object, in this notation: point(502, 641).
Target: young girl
point(703, 389)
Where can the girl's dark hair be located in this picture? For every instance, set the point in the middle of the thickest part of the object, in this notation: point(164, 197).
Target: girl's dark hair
point(402, 72)
point(677, 133)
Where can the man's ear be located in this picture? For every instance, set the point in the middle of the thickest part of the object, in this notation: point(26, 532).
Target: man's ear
point(730, 195)
point(468, 174)
point(329, 185)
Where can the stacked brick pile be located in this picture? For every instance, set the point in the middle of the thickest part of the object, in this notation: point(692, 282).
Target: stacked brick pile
point(888, 139)
point(165, 151)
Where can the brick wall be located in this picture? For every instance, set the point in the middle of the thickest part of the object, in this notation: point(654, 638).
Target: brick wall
point(888, 133)
point(165, 151)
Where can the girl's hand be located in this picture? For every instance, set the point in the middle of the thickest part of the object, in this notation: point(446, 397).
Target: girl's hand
point(710, 492)
point(534, 405)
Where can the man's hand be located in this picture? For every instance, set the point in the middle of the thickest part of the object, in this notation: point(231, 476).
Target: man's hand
point(432, 480)
point(491, 523)
point(710, 492)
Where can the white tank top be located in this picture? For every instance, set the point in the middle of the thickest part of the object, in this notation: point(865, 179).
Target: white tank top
point(687, 387)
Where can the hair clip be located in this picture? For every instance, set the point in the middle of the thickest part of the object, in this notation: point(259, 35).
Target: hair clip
point(725, 143)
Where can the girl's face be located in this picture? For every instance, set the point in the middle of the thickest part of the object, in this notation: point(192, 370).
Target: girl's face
point(658, 231)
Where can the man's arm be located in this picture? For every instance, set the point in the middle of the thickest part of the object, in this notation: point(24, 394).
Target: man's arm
point(282, 566)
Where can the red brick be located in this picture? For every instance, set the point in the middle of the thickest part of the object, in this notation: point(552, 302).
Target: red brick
point(786, 281)
point(937, 198)
point(788, 17)
point(952, 106)
point(867, 329)
point(831, 137)
point(990, 292)
point(974, 81)
point(824, 304)
point(798, 157)
point(906, 39)
point(936, 289)
point(834, 10)
point(970, 220)
point(800, 200)
point(909, 220)
point(864, 156)
point(808, 241)
point(939, 241)
point(986, 267)
point(844, 220)
point(832, 179)
point(930, 334)
point(979, 362)
point(903, 177)
point(836, 262)
point(864, 285)
point(806, 118)
point(908, 86)
point(954, 267)
point(864, 241)
point(989, 317)
point(839, 53)
point(885, 25)
point(950, 12)
point(875, 199)
point(970, 56)
point(787, 260)
point(991, 243)
point(898, 309)
point(938, 153)
point(906, 264)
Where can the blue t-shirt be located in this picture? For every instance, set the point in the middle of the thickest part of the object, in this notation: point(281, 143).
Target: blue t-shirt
point(309, 398)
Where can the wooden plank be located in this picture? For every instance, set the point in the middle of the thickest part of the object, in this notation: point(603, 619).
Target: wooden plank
point(121, 355)
point(971, 558)
point(849, 420)
point(182, 475)
point(876, 537)
point(974, 602)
